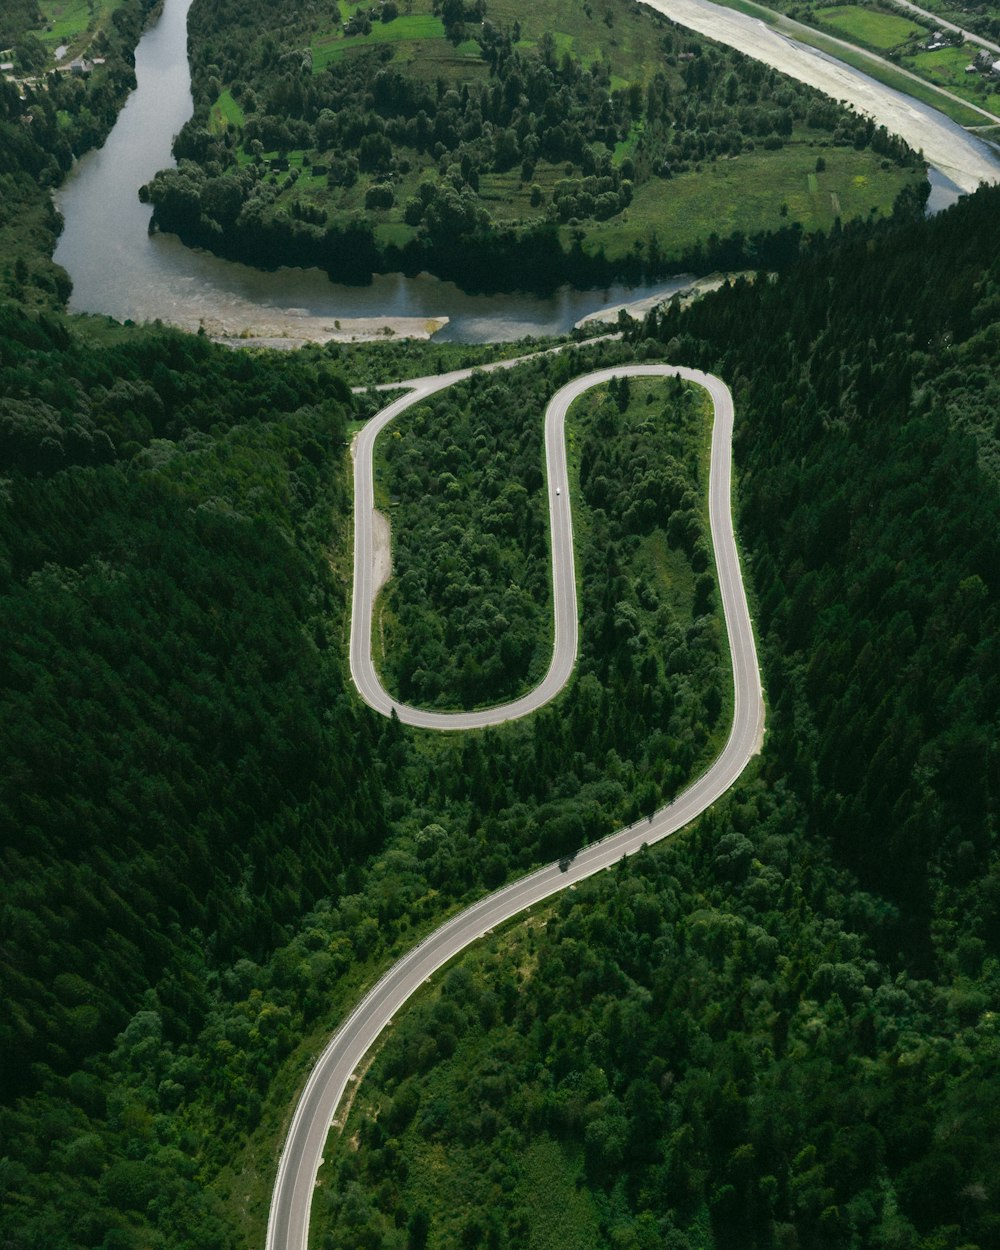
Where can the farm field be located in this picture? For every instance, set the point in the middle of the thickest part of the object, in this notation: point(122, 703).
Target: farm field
point(72, 23)
point(871, 27)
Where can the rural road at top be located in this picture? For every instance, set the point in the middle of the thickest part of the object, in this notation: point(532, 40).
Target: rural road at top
point(965, 160)
point(941, 24)
point(288, 1223)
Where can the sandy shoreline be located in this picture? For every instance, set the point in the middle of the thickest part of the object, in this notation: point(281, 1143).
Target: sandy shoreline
point(289, 331)
point(638, 308)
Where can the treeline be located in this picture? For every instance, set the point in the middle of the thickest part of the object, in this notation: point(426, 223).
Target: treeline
point(369, 118)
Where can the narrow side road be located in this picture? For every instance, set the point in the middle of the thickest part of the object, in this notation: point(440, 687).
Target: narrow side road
point(288, 1224)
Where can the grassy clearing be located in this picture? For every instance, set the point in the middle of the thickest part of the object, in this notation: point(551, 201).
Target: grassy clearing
point(757, 190)
point(946, 67)
point(563, 1215)
point(869, 26)
point(395, 233)
point(627, 43)
point(73, 23)
point(626, 147)
point(225, 112)
point(415, 28)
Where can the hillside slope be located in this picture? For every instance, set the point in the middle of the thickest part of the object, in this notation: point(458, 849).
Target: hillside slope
point(778, 1030)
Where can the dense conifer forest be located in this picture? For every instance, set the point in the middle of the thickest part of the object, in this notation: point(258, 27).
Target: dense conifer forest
point(780, 1029)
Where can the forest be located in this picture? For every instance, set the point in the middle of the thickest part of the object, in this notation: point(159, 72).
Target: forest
point(188, 782)
point(779, 1029)
point(489, 148)
point(469, 515)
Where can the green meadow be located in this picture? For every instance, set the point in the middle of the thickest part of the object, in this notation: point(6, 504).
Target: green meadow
point(868, 26)
point(782, 186)
point(72, 23)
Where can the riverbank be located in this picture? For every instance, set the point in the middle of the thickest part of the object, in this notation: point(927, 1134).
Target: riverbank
point(120, 270)
point(637, 309)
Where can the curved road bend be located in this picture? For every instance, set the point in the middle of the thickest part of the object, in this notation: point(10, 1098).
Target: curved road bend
point(563, 581)
point(288, 1223)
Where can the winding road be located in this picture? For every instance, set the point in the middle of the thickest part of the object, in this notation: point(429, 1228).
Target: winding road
point(288, 1223)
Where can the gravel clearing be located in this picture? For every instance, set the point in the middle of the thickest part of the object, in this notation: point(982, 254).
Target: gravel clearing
point(289, 330)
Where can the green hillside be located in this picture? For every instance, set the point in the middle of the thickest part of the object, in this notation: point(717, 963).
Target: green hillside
point(780, 1028)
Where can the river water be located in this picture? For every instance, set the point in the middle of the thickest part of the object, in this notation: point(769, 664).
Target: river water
point(119, 269)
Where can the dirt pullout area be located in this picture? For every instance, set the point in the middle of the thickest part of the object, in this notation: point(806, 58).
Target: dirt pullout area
point(381, 550)
point(945, 145)
point(292, 331)
point(381, 540)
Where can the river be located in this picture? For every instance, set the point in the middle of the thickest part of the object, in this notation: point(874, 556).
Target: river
point(119, 269)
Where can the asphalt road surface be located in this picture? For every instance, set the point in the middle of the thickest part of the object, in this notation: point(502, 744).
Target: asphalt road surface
point(288, 1224)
